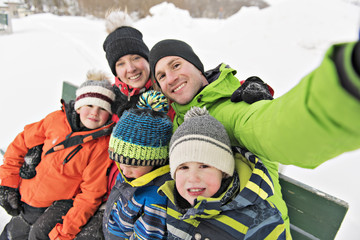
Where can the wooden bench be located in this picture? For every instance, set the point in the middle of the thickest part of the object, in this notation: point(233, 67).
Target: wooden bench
point(313, 213)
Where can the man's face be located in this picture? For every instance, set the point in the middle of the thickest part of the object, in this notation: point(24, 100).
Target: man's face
point(179, 80)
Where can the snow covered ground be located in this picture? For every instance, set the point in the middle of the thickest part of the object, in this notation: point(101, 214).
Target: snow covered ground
point(280, 44)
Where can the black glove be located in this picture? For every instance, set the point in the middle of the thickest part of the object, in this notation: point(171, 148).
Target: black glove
point(32, 159)
point(252, 90)
point(10, 200)
point(122, 103)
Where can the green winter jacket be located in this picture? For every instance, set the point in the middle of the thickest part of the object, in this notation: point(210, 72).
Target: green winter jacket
point(313, 122)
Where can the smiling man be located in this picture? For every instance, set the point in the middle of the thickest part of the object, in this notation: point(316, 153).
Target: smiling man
point(312, 123)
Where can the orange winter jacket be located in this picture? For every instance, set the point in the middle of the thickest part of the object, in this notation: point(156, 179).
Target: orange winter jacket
point(77, 172)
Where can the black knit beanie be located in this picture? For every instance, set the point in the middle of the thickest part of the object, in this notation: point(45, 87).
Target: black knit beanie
point(172, 47)
point(123, 41)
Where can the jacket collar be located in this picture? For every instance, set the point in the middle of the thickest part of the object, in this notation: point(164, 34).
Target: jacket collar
point(149, 178)
point(222, 85)
point(128, 90)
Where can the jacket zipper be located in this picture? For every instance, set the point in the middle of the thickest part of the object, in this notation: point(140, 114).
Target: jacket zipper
point(70, 156)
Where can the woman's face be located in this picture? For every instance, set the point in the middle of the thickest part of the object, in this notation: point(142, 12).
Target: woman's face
point(133, 70)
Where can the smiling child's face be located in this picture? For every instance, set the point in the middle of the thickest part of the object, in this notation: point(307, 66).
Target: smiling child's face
point(195, 179)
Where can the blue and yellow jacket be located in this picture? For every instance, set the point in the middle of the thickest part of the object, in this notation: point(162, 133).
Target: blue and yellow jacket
point(241, 212)
point(134, 209)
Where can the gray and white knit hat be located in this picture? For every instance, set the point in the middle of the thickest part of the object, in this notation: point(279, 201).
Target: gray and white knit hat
point(96, 90)
point(201, 138)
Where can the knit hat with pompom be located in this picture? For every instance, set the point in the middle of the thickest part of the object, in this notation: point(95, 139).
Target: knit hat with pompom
point(96, 90)
point(201, 138)
point(123, 39)
point(142, 134)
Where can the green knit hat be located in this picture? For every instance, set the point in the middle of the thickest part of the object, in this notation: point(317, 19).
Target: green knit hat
point(141, 136)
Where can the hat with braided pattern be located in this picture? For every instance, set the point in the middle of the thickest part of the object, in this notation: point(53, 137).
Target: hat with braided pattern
point(141, 136)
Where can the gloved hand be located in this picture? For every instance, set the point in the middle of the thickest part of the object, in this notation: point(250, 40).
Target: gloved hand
point(252, 90)
point(32, 159)
point(10, 200)
point(122, 102)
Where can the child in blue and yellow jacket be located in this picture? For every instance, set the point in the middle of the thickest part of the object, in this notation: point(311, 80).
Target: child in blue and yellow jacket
point(139, 146)
point(212, 195)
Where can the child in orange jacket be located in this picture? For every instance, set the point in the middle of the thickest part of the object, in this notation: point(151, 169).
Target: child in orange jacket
point(71, 177)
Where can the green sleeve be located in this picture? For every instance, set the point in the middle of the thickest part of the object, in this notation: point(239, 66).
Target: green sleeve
point(315, 121)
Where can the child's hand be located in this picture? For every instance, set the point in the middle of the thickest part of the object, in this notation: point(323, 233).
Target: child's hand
point(10, 200)
point(32, 159)
point(252, 90)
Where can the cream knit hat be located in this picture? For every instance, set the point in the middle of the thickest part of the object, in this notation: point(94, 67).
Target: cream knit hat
point(201, 138)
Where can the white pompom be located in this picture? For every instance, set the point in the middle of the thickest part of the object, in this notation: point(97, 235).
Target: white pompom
point(115, 19)
point(196, 112)
point(97, 75)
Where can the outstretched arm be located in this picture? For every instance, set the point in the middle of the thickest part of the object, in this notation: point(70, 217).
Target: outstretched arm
point(313, 122)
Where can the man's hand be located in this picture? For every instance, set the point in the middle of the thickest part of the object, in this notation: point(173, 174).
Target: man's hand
point(252, 90)
point(10, 200)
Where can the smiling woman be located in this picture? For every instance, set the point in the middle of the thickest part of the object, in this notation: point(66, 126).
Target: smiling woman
point(133, 70)
point(127, 56)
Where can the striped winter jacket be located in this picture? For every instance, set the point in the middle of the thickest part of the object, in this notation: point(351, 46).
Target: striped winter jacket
point(134, 209)
point(241, 212)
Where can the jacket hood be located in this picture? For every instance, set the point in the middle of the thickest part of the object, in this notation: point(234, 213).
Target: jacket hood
point(71, 115)
point(128, 90)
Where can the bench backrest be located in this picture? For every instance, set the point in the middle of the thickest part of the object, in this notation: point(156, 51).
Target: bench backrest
point(313, 213)
point(68, 91)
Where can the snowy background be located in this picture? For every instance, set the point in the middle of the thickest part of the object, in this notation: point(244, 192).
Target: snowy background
point(280, 44)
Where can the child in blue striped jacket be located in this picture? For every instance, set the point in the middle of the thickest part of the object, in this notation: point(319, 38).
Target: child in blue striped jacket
point(139, 146)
